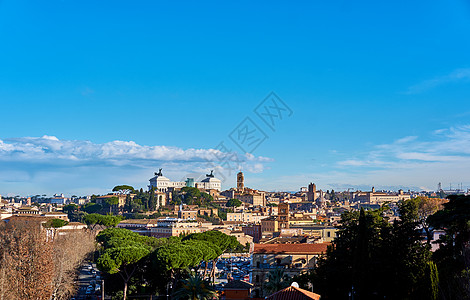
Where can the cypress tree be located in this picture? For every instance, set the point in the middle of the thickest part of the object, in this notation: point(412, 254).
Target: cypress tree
point(152, 201)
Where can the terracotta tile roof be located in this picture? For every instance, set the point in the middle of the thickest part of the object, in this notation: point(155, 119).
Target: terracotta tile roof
point(233, 222)
point(238, 285)
point(291, 248)
point(270, 218)
point(139, 221)
point(75, 224)
point(106, 196)
point(28, 208)
point(26, 218)
point(294, 293)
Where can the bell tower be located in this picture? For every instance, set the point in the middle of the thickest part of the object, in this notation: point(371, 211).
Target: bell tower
point(312, 191)
point(240, 182)
point(283, 215)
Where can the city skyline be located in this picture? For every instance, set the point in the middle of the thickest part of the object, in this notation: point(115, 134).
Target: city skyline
point(100, 94)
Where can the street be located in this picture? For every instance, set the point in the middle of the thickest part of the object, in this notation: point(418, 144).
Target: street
point(89, 283)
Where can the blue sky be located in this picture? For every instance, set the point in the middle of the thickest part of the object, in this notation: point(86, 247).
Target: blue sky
point(95, 94)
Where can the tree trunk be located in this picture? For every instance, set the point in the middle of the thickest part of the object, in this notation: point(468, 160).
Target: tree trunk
point(214, 263)
point(125, 290)
point(205, 269)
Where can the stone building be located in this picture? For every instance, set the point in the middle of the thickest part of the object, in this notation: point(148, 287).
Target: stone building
point(163, 184)
point(121, 199)
point(240, 182)
point(167, 227)
point(312, 192)
point(253, 231)
point(380, 198)
point(283, 215)
point(253, 197)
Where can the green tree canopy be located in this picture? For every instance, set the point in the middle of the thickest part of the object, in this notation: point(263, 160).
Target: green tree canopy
point(76, 216)
point(70, 208)
point(233, 203)
point(191, 192)
point(207, 199)
point(452, 257)
point(174, 256)
point(92, 207)
point(55, 223)
point(209, 251)
point(117, 258)
point(152, 201)
point(112, 201)
point(109, 237)
point(105, 220)
point(219, 241)
point(123, 189)
point(223, 241)
point(378, 258)
point(122, 249)
point(122, 259)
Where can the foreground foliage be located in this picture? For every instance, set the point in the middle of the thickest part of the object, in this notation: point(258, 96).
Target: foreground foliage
point(40, 264)
point(277, 281)
point(151, 264)
point(373, 259)
point(195, 287)
point(453, 255)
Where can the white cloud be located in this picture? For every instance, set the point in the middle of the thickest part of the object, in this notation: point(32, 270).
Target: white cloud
point(444, 156)
point(406, 139)
point(439, 131)
point(454, 76)
point(352, 162)
point(39, 163)
point(426, 156)
point(411, 162)
point(53, 150)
